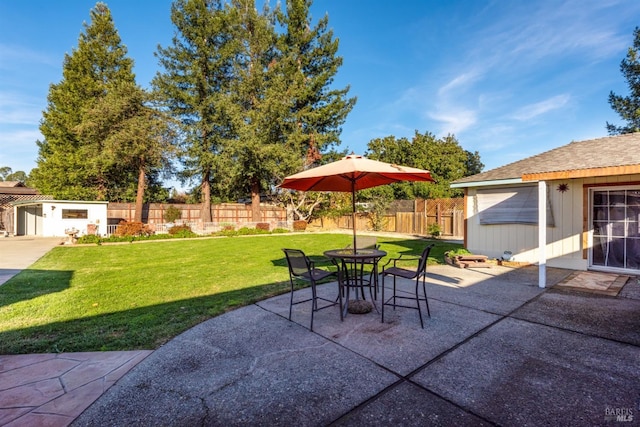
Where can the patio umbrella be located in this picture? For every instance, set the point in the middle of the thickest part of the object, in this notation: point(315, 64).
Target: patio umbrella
point(350, 174)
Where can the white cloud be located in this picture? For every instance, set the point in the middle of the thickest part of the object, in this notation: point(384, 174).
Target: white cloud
point(459, 82)
point(531, 111)
point(20, 109)
point(455, 120)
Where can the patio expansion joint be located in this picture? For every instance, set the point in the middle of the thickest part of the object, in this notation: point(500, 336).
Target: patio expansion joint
point(408, 377)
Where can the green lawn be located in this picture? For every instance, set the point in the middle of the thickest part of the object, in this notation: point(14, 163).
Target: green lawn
point(138, 296)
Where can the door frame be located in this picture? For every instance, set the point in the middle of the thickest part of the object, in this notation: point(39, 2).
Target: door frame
point(590, 203)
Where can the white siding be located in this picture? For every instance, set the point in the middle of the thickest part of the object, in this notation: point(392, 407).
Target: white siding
point(564, 241)
point(54, 225)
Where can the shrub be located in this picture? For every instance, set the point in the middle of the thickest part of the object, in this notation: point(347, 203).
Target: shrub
point(246, 231)
point(454, 252)
point(434, 230)
point(299, 225)
point(132, 228)
point(172, 213)
point(181, 231)
point(89, 238)
point(262, 226)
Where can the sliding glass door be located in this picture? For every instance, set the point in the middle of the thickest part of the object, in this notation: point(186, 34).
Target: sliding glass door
point(615, 216)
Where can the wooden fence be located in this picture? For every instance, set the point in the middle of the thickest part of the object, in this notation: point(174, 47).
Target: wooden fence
point(229, 213)
point(404, 216)
point(409, 217)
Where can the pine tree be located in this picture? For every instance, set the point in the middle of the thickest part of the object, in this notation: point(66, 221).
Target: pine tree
point(254, 103)
point(194, 87)
point(72, 165)
point(259, 105)
point(289, 114)
point(311, 60)
point(628, 107)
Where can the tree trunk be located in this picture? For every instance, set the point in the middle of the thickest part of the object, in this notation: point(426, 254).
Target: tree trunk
point(255, 201)
point(140, 194)
point(205, 214)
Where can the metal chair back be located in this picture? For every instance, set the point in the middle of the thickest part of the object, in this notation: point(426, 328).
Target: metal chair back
point(422, 264)
point(299, 265)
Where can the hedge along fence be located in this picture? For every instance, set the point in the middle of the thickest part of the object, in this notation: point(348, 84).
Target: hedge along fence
point(237, 214)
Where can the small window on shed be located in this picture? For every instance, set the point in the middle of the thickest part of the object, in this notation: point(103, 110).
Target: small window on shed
point(75, 214)
point(512, 205)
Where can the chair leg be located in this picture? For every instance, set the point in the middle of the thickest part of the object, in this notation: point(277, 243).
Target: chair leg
point(418, 302)
point(291, 300)
point(340, 290)
point(426, 300)
point(394, 293)
point(382, 300)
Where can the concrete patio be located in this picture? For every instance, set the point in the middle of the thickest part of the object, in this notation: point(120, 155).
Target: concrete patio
point(497, 350)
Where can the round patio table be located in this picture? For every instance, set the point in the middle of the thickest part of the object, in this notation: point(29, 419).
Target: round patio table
point(355, 278)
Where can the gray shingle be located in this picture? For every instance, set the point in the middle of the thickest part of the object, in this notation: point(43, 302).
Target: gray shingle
point(619, 150)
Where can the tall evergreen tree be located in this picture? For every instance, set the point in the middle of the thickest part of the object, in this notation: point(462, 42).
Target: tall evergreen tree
point(289, 113)
point(254, 103)
point(628, 107)
point(311, 62)
point(70, 164)
point(132, 134)
point(194, 87)
point(258, 96)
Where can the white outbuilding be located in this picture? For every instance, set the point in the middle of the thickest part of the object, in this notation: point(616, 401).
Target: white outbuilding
point(59, 218)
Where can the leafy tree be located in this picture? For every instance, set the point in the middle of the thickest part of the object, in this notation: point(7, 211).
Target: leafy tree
point(443, 157)
point(7, 174)
point(473, 164)
point(73, 164)
point(628, 107)
point(194, 88)
point(132, 133)
point(4, 172)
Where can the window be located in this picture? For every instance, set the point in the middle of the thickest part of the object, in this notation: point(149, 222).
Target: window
point(511, 205)
point(75, 214)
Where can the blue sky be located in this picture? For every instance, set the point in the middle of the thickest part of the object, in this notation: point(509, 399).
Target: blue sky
point(509, 78)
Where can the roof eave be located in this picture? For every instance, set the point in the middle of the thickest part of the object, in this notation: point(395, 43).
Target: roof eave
point(582, 173)
point(488, 183)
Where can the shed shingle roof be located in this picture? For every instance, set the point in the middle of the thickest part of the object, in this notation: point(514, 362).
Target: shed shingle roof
point(611, 155)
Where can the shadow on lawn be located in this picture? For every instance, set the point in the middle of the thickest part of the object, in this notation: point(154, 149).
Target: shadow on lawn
point(133, 329)
point(30, 284)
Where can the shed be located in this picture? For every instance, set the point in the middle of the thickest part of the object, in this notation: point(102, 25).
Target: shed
point(576, 207)
point(54, 218)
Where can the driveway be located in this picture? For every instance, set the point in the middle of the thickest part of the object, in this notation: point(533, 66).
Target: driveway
point(19, 252)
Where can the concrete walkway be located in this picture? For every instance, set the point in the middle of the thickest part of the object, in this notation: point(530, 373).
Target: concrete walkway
point(497, 350)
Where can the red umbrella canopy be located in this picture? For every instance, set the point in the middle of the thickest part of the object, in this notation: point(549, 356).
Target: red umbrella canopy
point(350, 174)
point(353, 173)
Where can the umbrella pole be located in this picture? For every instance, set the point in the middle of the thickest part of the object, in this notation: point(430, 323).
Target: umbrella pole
point(353, 214)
